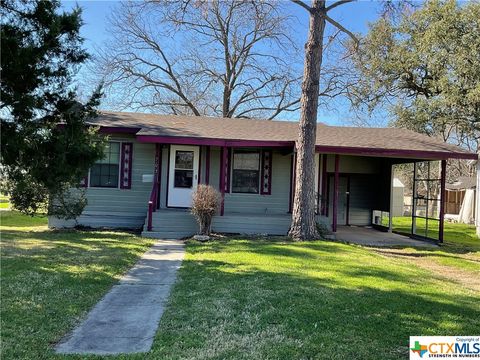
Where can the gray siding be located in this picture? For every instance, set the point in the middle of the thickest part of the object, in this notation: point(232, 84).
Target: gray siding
point(121, 208)
point(275, 203)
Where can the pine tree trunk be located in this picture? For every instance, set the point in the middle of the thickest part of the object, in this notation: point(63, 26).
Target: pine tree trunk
point(303, 214)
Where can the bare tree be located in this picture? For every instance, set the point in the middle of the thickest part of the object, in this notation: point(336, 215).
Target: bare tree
point(222, 58)
point(303, 215)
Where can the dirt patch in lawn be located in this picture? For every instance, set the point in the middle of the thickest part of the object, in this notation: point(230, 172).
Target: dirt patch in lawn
point(468, 279)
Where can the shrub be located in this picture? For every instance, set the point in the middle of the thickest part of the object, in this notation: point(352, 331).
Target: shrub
point(204, 206)
point(323, 227)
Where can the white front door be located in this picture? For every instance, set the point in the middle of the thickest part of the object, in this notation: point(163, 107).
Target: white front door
point(183, 175)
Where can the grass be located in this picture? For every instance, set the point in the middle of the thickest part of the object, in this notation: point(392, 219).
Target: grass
point(4, 202)
point(460, 249)
point(235, 298)
point(50, 279)
point(271, 300)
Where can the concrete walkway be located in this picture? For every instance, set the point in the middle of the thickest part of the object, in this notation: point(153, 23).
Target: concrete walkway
point(126, 319)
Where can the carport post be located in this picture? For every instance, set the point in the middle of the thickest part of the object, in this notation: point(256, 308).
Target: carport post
point(443, 177)
point(414, 203)
point(477, 200)
point(335, 193)
point(390, 211)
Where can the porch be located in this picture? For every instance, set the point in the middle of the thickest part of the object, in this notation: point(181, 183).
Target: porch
point(180, 223)
point(369, 236)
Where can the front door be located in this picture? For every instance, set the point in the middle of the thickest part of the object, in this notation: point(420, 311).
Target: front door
point(183, 175)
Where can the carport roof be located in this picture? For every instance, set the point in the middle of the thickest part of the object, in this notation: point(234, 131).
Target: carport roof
point(251, 132)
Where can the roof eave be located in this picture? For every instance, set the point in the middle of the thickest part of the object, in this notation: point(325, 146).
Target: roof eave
point(402, 153)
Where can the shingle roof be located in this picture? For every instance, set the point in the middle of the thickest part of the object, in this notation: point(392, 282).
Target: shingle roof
point(464, 182)
point(265, 130)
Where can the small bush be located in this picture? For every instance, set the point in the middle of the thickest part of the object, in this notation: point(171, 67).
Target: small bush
point(323, 227)
point(204, 206)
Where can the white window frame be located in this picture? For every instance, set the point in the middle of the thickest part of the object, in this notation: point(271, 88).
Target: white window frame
point(259, 151)
point(119, 169)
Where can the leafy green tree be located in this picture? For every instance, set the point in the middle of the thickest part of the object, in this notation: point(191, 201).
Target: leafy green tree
point(46, 148)
point(423, 67)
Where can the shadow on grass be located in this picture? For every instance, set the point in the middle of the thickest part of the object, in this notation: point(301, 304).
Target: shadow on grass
point(50, 279)
point(284, 313)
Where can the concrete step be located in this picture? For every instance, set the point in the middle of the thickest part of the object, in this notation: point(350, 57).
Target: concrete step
point(167, 234)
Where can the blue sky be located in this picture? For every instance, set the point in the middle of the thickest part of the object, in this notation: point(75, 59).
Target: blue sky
point(355, 16)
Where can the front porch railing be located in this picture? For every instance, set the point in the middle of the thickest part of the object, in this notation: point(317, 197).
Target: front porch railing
point(153, 200)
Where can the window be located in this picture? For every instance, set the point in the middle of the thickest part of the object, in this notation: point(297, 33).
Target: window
point(246, 172)
point(183, 169)
point(104, 173)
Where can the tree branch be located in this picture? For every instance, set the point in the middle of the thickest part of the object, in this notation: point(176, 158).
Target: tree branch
point(343, 29)
point(338, 3)
point(302, 4)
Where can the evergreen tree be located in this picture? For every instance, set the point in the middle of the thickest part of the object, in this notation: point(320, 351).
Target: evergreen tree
point(46, 148)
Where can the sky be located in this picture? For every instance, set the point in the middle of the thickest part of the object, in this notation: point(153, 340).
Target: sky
point(355, 16)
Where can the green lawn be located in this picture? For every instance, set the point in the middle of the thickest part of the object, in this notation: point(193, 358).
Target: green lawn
point(237, 298)
point(50, 279)
point(460, 249)
point(4, 202)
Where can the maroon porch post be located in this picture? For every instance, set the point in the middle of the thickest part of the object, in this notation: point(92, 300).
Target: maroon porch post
point(324, 185)
point(154, 201)
point(293, 180)
point(223, 177)
point(347, 215)
point(335, 194)
point(207, 166)
point(443, 177)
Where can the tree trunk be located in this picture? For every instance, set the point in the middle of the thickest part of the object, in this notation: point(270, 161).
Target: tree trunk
point(303, 214)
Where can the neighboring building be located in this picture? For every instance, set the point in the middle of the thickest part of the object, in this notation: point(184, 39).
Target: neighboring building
point(398, 198)
point(460, 200)
point(157, 161)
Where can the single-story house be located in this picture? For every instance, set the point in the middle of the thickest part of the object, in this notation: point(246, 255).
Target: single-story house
point(153, 164)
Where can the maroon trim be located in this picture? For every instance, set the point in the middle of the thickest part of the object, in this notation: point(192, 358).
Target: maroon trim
point(168, 175)
point(335, 194)
point(324, 185)
point(416, 154)
point(319, 173)
point(126, 165)
point(228, 170)
point(347, 215)
point(177, 140)
point(117, 130)
point(293, 179)
point(207, 166)
point(84, 181)
point(159, 175)
point(223, 156)
point(442, 200)
point(199, 164)
point(327, 204)
point(153, 200)
point(268, 168)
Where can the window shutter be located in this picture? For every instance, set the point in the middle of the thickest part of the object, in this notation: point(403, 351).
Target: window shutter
point(126, 166)
point(84, 181)
point(266, 182)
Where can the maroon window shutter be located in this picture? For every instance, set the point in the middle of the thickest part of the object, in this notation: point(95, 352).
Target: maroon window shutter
point(266, 173)
point(126, 165)
point(84, 181)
